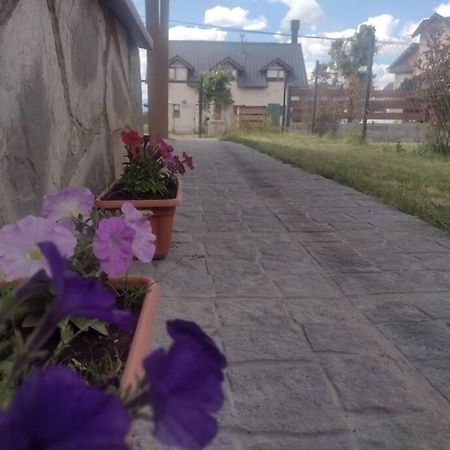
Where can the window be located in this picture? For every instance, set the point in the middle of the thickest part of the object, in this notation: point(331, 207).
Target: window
point(178, 72)
point(275, 73)
point(176, 110)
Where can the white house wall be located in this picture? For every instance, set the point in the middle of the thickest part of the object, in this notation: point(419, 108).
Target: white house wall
point(273, 93)
point(187, 97)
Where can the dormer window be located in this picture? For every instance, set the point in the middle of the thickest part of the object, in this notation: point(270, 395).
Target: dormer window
point(178, 72)
point(275, 73)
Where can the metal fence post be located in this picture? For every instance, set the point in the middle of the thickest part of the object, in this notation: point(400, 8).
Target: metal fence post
point(314, 111)
point(200, 107)
point(368, 85)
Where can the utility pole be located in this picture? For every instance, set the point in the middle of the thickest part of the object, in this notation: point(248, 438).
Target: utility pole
point(368, 85)
point(157, 22)
point(314, 111)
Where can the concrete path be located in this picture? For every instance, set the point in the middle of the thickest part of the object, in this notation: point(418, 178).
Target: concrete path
point(332, 309)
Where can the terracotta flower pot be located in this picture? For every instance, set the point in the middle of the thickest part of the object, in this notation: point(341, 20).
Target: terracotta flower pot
point(142, 339)
point(163, 212)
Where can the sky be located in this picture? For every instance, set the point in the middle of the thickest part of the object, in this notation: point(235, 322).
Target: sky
point(394, 20)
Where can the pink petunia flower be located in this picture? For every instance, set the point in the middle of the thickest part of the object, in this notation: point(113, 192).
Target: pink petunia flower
point(20, 255)
point(143, 241)
point(113, 245)
point(68, 204)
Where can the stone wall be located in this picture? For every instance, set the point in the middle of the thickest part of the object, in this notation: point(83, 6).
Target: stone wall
point(69, 81)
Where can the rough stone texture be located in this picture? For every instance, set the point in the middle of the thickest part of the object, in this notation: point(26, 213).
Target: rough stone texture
point(70, 81)
point(308, 287)
point(371, 384)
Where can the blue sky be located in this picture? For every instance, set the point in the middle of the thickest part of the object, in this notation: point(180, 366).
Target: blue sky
point(394, 20)
point(318, 16)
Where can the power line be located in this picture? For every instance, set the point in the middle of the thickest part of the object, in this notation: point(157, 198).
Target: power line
point(275, 33)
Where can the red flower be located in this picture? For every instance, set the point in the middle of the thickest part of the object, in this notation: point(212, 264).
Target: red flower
point(188, 160)
point(179, 165)
point(131, 138)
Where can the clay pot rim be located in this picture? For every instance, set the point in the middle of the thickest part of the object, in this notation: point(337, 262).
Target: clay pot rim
point(142, 337)
point(116, 204)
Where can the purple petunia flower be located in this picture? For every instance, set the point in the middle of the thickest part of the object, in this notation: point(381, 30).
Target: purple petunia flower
point(20, 255)
point(56, 409)
point(81, 297)
point(113, 245)
point(185, 387)
point(67, 205)
point(143, 241)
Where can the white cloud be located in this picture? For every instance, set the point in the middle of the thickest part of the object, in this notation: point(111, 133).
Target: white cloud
point(385, 24)
point(281, 39)
point(318, 48)
point(381, 76)
point(409, 28)
point(233, 17)
point(309, 12)
point(181, 32)
point(443, 9)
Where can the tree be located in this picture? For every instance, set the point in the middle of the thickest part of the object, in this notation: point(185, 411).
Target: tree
point(433, 88)
point(350, 60)
point(216, 88)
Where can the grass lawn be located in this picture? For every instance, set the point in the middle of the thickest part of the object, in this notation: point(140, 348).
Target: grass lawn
point(418, 184)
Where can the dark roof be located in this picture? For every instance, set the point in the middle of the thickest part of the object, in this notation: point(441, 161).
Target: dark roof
point(435, 19)
point(402, 63)
point(253, 57)
point(127, 14)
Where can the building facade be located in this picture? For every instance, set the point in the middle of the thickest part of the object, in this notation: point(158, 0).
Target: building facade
point(261, 71)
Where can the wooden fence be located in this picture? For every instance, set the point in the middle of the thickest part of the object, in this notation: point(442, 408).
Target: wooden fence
point(251, 116)
point(383, 105)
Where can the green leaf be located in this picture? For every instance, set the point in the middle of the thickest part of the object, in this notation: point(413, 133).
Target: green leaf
point(83, 324)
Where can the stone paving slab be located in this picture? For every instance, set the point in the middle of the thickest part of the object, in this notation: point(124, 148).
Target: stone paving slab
point(333, 309)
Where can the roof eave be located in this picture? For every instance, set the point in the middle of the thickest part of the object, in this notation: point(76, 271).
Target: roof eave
point(127, 14)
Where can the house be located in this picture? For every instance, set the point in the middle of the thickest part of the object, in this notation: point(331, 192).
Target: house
point(406, 65)
point(261, 71)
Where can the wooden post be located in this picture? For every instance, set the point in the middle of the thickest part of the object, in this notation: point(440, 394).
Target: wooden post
point(163, 70)
point(157, 21)
point(368, 86)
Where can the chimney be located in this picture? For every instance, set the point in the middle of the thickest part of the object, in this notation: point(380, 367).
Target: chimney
point(295, 25)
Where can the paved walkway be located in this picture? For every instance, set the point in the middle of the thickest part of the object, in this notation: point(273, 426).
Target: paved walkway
point(332, 309)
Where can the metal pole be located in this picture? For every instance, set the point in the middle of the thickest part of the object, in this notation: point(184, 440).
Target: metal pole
point(288, 107)
point(283, 119)
point(368, 85)
point(200, 107)
point(316, 80)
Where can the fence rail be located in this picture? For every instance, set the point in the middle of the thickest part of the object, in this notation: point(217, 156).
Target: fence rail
point(384, 105)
